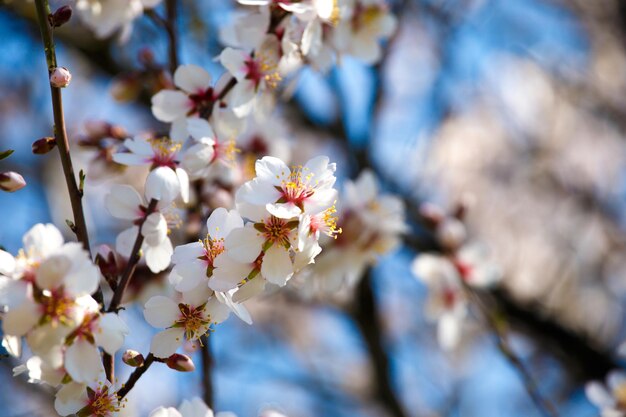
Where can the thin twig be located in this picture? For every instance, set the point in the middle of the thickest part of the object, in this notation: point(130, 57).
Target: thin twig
point(543, 404)
point(60, 134)
point(107, 360)
point(170, 13)
point(134, 377)
point(132, 261)
point(43, 9)
point(169, 24)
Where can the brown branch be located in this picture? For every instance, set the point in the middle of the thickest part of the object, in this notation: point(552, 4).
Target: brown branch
point(169, 24)
point(60, 133)
point(365, 314)
point(134, 377)
point(207, 369)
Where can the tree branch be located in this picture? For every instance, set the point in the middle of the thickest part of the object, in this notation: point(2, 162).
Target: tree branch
point(134, 377)
point(365, 314)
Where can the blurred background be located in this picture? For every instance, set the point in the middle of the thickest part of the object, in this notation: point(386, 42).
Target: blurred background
point(519, 105)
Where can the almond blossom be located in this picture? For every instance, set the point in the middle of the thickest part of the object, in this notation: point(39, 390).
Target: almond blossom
point(123, 202)
point(194, 97)
point(166, 180)
point(288, 192)
point(188, 320)
point(446, 303)
point(47, 284)
point(194, 262)
point(255, 73)
point(96, 398)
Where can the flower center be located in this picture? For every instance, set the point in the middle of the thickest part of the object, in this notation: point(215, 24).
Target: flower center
point(193, 320)
point(57, 308)
point(202, 102)
point(101, 403)
point(326, 223)
point(276, 231)
point(164, 152)
point(297, 187)
point(226, 151)
point(262, 68)
point(212, 248)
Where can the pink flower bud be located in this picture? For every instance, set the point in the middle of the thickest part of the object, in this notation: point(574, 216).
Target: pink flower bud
point(180, 363)
point(11, 181)
point(44, 145)
point(60, 77)
point(133, 358)
point(60, 17)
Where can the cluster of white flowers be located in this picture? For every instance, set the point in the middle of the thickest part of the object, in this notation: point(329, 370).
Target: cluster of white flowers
point(45, 294)
point(238, 258)
point(315, 32)
point(265, 217)
point(461, 262)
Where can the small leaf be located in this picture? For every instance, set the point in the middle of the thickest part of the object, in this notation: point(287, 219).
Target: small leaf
point(81, 182)
point(71, 225)
point(6, 154)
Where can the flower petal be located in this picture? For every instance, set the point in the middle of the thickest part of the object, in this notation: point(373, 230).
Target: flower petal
point(244, 244)
point(169, 105)
point(192, 78)
point(111, 333)
point(158, 257)
point(123, 202)
point(277, 267)
point(83, 362)
point(165, 343)
point(161, 311)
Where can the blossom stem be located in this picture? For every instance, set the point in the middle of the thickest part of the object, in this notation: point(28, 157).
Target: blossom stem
point(207, 368)
point(132, 261)
point(495, 325)
point(60, 133)
point(134, 377)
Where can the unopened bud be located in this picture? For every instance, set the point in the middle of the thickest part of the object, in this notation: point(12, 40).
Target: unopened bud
point(133, 358)
point(146, 57)
point(431, 213)
point(451, 233)
point(107, 261)
point(60, 17)
point(180, 363)
point(60, 77)
point(44, 145)
point(11, 181)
